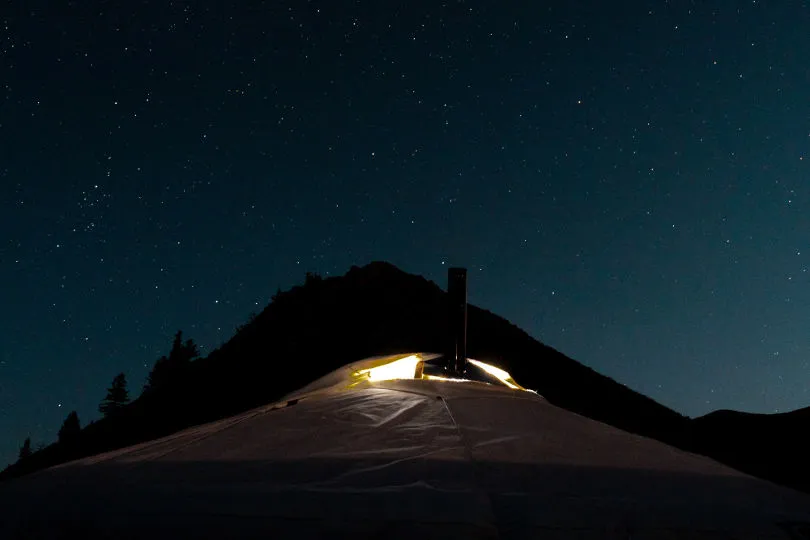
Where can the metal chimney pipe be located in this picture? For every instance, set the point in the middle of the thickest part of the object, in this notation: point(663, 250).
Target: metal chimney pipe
point(457, 294)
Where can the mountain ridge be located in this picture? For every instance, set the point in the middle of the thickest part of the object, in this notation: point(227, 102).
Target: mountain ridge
point(314, 328)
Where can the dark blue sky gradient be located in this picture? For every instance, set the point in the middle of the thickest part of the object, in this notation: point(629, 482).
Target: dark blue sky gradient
point(628, 184)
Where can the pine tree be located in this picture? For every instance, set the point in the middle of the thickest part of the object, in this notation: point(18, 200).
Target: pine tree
point(157, 376)
point(172, 369)
point(70, 428)
point(188, 352)
point(117, 396)
point(25, 449)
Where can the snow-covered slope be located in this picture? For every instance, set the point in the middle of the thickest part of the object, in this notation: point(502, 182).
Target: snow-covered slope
point(396, 459)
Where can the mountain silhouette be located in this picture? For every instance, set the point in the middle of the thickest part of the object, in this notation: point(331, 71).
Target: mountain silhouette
point(379, 309)
point(771, 446)
point(312, 329)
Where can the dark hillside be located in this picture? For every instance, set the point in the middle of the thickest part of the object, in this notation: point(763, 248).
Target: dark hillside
point(315, 328)
point(772, 446)
point(379, 309)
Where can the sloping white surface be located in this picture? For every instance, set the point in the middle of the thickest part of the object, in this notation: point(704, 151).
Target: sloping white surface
point(396, 459)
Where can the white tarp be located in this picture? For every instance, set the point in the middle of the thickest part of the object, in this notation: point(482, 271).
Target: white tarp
point(397, 459)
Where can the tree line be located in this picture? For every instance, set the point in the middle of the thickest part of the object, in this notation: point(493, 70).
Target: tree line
point(166, 371)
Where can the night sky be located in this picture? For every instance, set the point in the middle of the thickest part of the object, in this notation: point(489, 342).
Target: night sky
point(630, 185)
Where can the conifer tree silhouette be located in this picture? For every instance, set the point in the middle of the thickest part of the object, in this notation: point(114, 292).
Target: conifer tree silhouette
point(117, 396)
point(171, 369)
point(25, 449)
point(70, 428)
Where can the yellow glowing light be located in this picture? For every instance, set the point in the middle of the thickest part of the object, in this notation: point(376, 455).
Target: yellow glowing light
point(404, 368)
point(498, 373)
point(408, 368)
point(440, 378)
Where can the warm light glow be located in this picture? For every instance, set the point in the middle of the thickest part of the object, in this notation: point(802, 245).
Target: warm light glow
point(404, 368)
point(498, 373)
point(440, 378)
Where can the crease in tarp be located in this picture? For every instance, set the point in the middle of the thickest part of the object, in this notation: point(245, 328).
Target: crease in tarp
point(382, 466)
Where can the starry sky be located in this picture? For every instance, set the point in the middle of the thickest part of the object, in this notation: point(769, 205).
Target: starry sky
point(631, 184)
